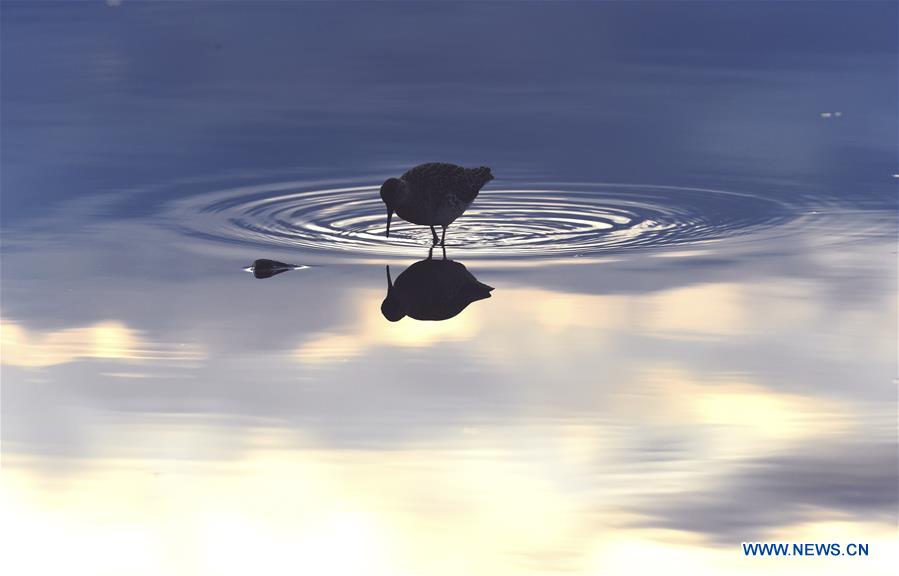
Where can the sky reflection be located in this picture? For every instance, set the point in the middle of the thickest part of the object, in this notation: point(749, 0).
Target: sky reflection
point(690, 341)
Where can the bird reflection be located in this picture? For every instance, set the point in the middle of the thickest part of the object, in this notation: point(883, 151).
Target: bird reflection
point(264, 268)
point(432, 290)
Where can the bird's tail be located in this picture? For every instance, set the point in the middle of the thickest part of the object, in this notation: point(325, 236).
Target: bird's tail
point(476, 291)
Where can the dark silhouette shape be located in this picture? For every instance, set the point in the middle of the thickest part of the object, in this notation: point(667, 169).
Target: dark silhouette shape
point(432, 194)
point(264, 268)
point(432, 290)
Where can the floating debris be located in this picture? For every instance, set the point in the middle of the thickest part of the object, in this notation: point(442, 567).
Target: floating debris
point(831, 114)
point(264, 268)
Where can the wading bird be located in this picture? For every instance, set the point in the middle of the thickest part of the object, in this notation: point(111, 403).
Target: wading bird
point(433, 194)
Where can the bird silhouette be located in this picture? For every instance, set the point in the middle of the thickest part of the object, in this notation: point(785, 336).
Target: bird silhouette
point(432, 290)
point(433, 194)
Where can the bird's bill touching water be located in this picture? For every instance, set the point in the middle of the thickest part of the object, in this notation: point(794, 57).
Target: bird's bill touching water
point(389, 217)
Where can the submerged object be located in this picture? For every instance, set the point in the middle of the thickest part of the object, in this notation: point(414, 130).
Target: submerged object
point(433, 194)
point(432, 290)
point(264, 268)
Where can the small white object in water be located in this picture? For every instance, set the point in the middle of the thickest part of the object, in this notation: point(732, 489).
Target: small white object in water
point(831, 114)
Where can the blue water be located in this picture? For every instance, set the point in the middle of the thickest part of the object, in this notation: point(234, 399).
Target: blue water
point(691, 240)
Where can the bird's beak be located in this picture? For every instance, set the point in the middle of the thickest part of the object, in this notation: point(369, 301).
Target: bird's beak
point(389, 216)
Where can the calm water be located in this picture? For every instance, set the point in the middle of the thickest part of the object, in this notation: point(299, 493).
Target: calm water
point(691, 240)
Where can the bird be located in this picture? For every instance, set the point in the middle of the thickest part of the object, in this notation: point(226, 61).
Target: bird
point(432, 290)
point(433, 194)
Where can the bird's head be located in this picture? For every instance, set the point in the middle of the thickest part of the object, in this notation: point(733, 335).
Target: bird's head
point(392, 308)
point(390, 191)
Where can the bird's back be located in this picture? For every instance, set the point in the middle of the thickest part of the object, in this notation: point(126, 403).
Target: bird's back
point(441, 179)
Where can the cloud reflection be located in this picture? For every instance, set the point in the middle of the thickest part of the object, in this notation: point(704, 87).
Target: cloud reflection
point(823, 481)
point(107, 340)
point(513, 509)
point(368, 330)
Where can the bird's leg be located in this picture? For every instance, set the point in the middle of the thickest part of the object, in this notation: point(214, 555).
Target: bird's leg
point(442, 238)
point(430, 252)
point(444, 251)
point(434, 232)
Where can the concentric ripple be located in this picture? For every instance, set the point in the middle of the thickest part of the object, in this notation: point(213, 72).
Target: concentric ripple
point(506, 221)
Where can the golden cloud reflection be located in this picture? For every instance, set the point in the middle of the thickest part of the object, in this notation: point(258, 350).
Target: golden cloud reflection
point(108, 340)
point(734, 417)
point(481, 504)
point(705, 311)
point(371, 330)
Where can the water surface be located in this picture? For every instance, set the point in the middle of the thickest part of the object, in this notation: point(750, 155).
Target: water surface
point(690, 342)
